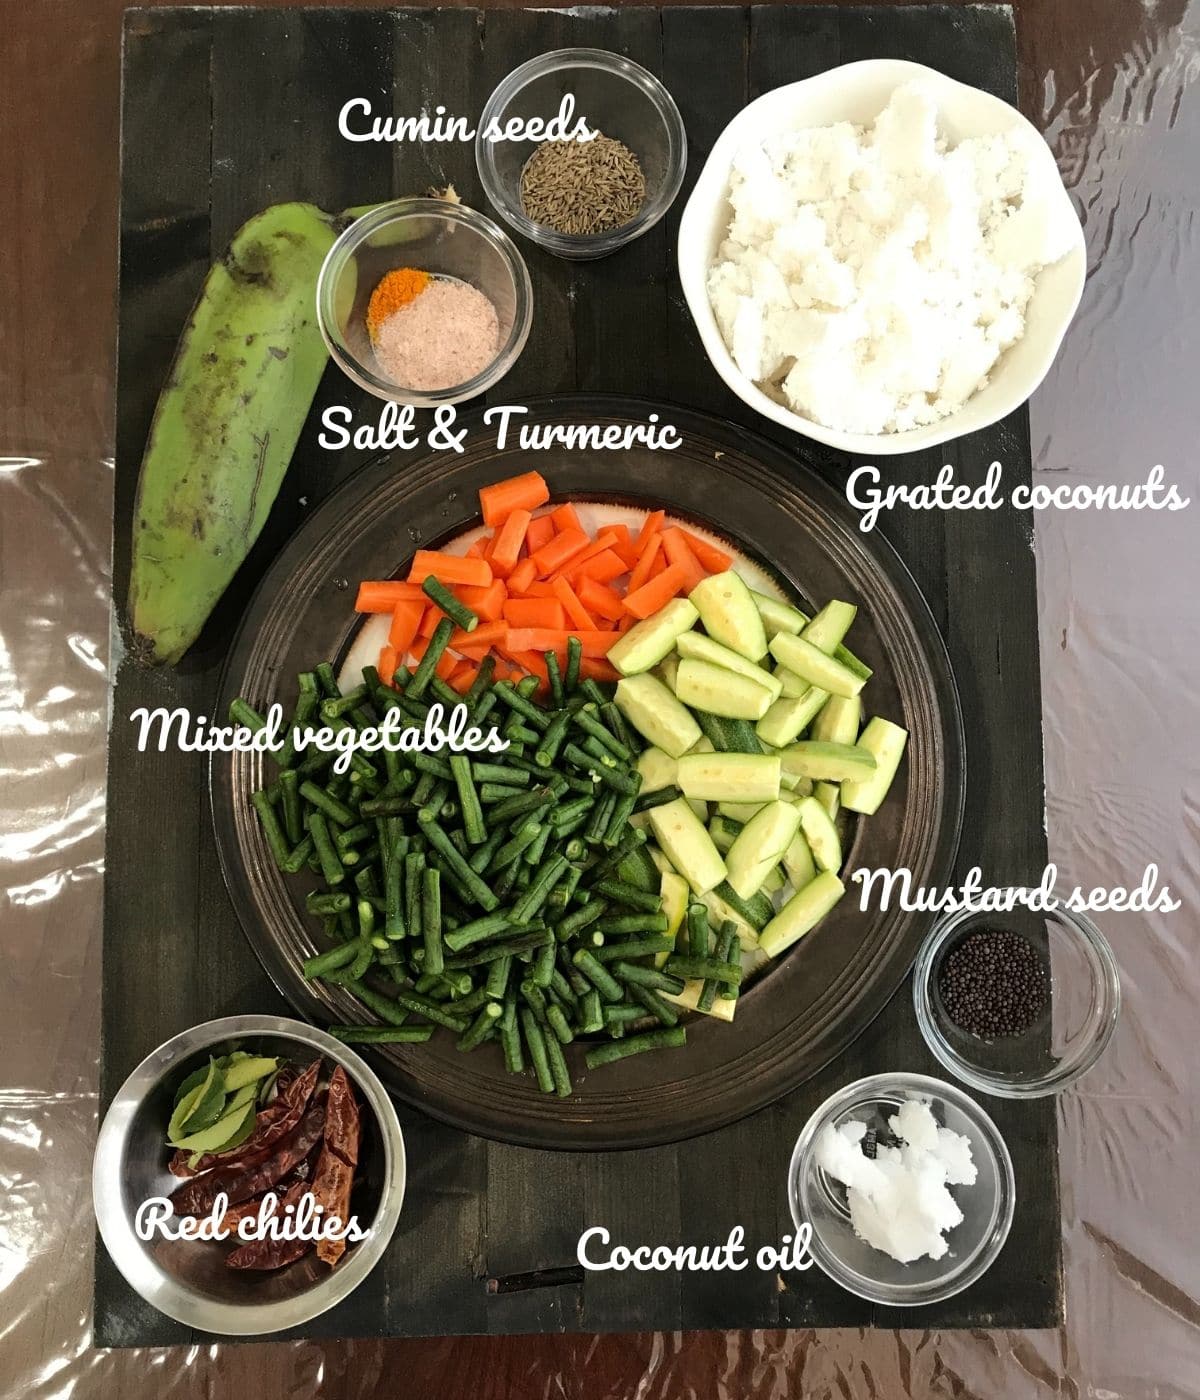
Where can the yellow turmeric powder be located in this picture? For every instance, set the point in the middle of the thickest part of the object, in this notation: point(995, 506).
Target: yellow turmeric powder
point(396, 289)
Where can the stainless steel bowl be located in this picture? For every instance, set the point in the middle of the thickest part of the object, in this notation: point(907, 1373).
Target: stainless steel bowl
point(188, 1280)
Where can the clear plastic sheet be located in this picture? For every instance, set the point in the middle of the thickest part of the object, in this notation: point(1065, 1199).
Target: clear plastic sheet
point(1115, 87)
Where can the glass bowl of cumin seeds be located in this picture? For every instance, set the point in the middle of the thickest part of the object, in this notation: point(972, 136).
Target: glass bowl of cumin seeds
point(1019, 1003)
point(596, 155)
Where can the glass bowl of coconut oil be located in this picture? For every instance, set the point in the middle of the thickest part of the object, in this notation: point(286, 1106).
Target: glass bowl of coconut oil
point(581, 151)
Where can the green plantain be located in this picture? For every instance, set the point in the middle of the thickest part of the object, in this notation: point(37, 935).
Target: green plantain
point(243, 379)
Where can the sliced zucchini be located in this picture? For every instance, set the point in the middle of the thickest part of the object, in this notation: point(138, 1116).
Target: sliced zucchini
point(829, 795)
point(648, 641)
point(778, 617)
point(656, 714)
point(720, 692)
point(885, 741)
point(824, 762)
point(829, 626)
point(809, 662)
point(801, 913)
point(687, 845)
point(821, 834)
point(675, 897)
point(798, 862)
point(723, 1008)
point(739, 811)
point(759, 847)
point(839, 720)
point(729, 777)
point(657, 768)
point(727, 609)
point(789, 716)
point(701, 648)
point(668, 668)
point(720, 909)
point(724, 831)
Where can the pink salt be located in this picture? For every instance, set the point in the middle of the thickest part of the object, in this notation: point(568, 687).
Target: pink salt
point(446, 335)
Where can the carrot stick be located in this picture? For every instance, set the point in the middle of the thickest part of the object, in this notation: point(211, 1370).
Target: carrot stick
point(541, 588)
point(449, 568)
point(534, 612)
point(641, 570)
point(539, 639)
point(603, 567)
point(486, 635)
point(652, 524)
point(678, 551)
point(429, 622)
point(595, 668)
point(579, 615)
point(383, 595)
point(657, 593)
point(463, 677)
point(486, 603)
point(624, 545)
point(525, 492)
point(523, 575)
point(539, 533)
point(601, 600)
point(388, 661)
point(534, 664)
point(565, 518)
point(597, 546)
point(478, 547)
point(562, 547)
point(507, 548)
point(712, 559)
point(406, 618)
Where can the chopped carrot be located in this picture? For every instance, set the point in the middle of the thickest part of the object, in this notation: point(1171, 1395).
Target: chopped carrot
point(525, 492)
point(579, 615)
point(562, 547)
point(449, 568)
point(429, 622)
point(623, 544)
point(595, 668)
point(534, 664)
point(387, 664)
point(678, 551)
point(603, 567)
point(406, 618)
point(660, 564)
point(657, 593)
point(539, 533)
point(565, 518)
point(382, 596)
point(540, 588)
point(714, 560)
point(486, 603)
point(538, 639)
point(652, 524)
point(485, 635)
point(626, 622)
point(506, 549)
point(446, 666)
point(597, 546)
point(534, 612)
point(463, 679)
point(478, 547)
point(641, 570)
point(523, 575)
point(600, 599)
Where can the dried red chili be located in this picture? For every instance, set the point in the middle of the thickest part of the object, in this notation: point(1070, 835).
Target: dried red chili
point(334, 1177)
point(267, 1253)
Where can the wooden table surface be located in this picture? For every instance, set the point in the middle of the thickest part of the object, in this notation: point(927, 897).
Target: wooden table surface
point(58, 163)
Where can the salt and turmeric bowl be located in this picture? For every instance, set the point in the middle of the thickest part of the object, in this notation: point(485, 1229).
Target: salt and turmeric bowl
point(438, 258)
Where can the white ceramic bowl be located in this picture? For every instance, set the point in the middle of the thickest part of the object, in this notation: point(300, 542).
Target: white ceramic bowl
point(858, 92)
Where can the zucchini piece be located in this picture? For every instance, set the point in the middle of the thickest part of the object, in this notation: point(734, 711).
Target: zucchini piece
point(675, 898)
point(829, 626)
point(778, 616)
point(839, 720)
point(774, 882)
point(725, 777)
point(789, 716)
point(701, 648)
point(793, 685)
point(723, 1008)
point(821, 834)
point(720, 909)
point(740, 812)
point(831, 763)
point(657, 769)
point(798, 863)
point(759, 847)
point(656, 714)
point(721, 692)
point(668, 668)
point(885, 741)
point(801, 913)
point(648, 641)
point(687, 845)
point(729, 614)
point(724, 832)
point(757, 910)
point(808, 661)
point(829, 795)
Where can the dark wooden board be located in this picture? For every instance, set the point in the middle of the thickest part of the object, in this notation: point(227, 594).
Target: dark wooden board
point(227, 110)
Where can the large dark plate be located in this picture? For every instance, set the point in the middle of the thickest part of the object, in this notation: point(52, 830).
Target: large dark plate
point(820, 995)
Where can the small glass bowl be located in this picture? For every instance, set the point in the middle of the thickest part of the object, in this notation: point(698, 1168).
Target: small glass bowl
point(616, 97)
point(1074, 1027)
point(987, 1206)
point(439, 237)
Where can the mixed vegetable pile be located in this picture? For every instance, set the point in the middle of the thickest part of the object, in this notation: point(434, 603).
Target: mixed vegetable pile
point(635, 851)
point(297, 1136)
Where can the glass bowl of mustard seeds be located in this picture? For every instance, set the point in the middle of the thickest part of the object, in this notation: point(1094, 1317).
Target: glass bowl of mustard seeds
point(424, 302)
point(581, 151)
point(1019, 1003)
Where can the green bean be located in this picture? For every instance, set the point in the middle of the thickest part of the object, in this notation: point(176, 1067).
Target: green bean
point(431, 919)
point(725, 944)
point(381, 1035)
point(317, 903)
point(598, 975)
point(501, 948)
point(635, 948)
point(543, 966)
point(537, 1050)
point(273, 833)
point(591, 1013)
point(497, 978)
point(433, 654)
point(724, 972)
point(526, 834)
point(475, 887)
point(338, 707)
point(441, 597)
point(293, 820)
point(510, 1041)
point(431, 1010)
point(478, 931)
point(302, 717)
point(479, 1028)
point(329, 961)
point(352, 836)
point(569, 812)
point(468, 798)
point(331, 865)
point(487, 669)
point(517, 702)
point(630, 842)
point(574, 658)
point(499, 773)
point(635, 975)
point(576, 922)
point(624, 924)
point(629, 895)
point(586, 720)
point(529, 903)
point(551, 741)
point(558, 1023)
point(241, 712)
point(697, 926)
point(558, 1066)
point(300, 856)
point(662, 1011)
point(514, 807)
point(622, 1014)
point(669, 1038)
point(383, 1007)
point(554, 675)
point(600, 818)
point(658, 798)
point(432, 764)
point(729, 990)
point(414, 881)
point(618, 823)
